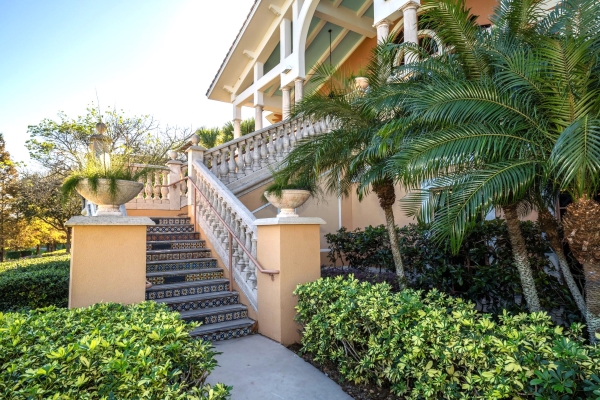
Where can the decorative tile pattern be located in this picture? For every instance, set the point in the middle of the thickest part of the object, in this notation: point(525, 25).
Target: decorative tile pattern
point(170, 229)
point(199, 244)
point(156, 280)
point(224, 335)
point(157, 237)
point(202, 304)
point(171, 221)
point(191, 291)
point(226, 316)
point(181, 266)
point(188, 255)
point(204, 276)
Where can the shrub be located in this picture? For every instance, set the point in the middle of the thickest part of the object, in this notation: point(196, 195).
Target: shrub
point(106, 351)
point(34, 283)
point(483, 271)
point(55, 253)
point(436, 346)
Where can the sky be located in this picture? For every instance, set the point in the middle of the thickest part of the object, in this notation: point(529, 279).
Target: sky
point(155, 57)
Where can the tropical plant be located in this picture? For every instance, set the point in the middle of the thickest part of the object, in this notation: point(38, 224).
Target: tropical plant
point(106, 351)
point(342, 159)
point(433, 346)
point(283, 182)
point(246, 126)
point(209, 137)
point(516, 112)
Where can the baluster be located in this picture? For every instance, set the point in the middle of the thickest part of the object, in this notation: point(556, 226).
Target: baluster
point(248, 157)
point(236, 247)
point(256, 154)
point(142, 180)
point(248, 246)
point(148, 188)
point(271, 149)
point(263, 150)
point(224, 170)
point(252, 271)
point(215, 164)
point(164, 190)
point(232, 164)
point(279, 144)
point(156, 189)
point(299, 131)
point(241, 159)
point(287, 133)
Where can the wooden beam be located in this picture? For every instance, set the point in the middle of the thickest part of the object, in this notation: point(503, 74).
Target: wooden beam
point(346, 19)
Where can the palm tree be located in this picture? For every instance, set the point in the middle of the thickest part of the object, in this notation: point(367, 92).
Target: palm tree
point(343, 158)
point(522, 112)
point(246, 127)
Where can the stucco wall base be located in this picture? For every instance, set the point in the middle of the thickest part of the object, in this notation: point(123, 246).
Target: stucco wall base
point(108, 260)
point(294, 250)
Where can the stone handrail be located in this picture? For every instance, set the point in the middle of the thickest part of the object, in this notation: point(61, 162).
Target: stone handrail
point(261, 149)
point(217, 199)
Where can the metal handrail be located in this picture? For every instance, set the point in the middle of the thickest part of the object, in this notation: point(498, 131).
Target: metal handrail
point(272, 273)
point(174, 184)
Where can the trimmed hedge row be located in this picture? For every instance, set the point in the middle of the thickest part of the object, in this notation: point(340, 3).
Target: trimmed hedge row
point(436, 346)
point(106, 351)
point(34, 283)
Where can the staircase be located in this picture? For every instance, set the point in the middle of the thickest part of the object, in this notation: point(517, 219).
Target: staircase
point(186, 278)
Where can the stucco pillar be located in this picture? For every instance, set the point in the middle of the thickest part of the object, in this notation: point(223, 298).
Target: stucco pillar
point(108, 260)
point(298, 89)
point(411, 27)
point(383, 30)
point(291, 246)
point(258, 117)
point(194, 153)
point(237, 122)
point(286, 102)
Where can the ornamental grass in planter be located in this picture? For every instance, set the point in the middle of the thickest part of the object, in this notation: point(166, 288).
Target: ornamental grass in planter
point(108, 181)
point(287, 195)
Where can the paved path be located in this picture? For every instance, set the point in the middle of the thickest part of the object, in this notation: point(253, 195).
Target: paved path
point(259, 368)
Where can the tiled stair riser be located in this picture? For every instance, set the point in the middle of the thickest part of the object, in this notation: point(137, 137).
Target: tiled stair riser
point(162, 280)
point(188, 255)
point(181, 266)
point(159, 237)
point(221, 317)
point(170, 229)
point(190, 291)
point(171, 221)
point(225, 300)
point(200, 244)
point(228, 334)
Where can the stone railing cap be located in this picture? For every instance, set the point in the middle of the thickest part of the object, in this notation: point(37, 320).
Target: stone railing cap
point(81, 220)
point(290, 221)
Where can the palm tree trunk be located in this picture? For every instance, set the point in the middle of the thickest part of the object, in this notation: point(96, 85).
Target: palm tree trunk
point(521, 258)
point(583, 235)
point(387, 197)
point(549, 225)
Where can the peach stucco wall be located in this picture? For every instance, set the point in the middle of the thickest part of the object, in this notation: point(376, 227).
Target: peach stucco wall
point(158, 213)
point(108, 264)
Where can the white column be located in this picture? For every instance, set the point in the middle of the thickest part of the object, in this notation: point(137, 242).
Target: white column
point(259, 101)
point(286, 102)
point(258, 117)
point(237, 120)
point(298, 89)
point(411, 28)
point(285, 38)
point(383, 30)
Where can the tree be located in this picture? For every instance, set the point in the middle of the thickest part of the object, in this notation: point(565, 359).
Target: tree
point(530, 119)
point(59, 145)
point(8, 192)
point(33, 233)
point(347, 158)
point(40, 199)
point(212, 137)
point(209, 137)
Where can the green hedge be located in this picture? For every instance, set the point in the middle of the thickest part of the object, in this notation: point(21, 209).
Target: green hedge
point(55, 253)
point(34, 283)
point(440, 347)
point(106, 351)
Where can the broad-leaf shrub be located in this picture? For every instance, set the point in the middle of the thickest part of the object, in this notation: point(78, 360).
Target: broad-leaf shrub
point(436, 346)
point(106, 351)
point(483, 271)
point(34, 283)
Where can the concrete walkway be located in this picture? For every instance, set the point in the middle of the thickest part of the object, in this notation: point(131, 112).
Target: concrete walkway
point(259, 368)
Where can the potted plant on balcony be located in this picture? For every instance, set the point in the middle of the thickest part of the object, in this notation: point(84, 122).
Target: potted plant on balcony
point(107, 181)
point(287, 195)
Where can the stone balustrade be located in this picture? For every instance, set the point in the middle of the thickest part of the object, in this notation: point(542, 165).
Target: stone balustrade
point(215, 199)
point(264, 148)
point(158, 194)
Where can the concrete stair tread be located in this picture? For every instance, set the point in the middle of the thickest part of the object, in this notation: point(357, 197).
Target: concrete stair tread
point(195, 297)
point(176, 251)
point(180, 261)
point(222, 326)
point(184, 285)
point(182, 272)
point(212, 310)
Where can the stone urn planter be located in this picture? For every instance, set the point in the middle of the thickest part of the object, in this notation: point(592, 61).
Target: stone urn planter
point(289, 200)
point(108, 205)
point(361, 83)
